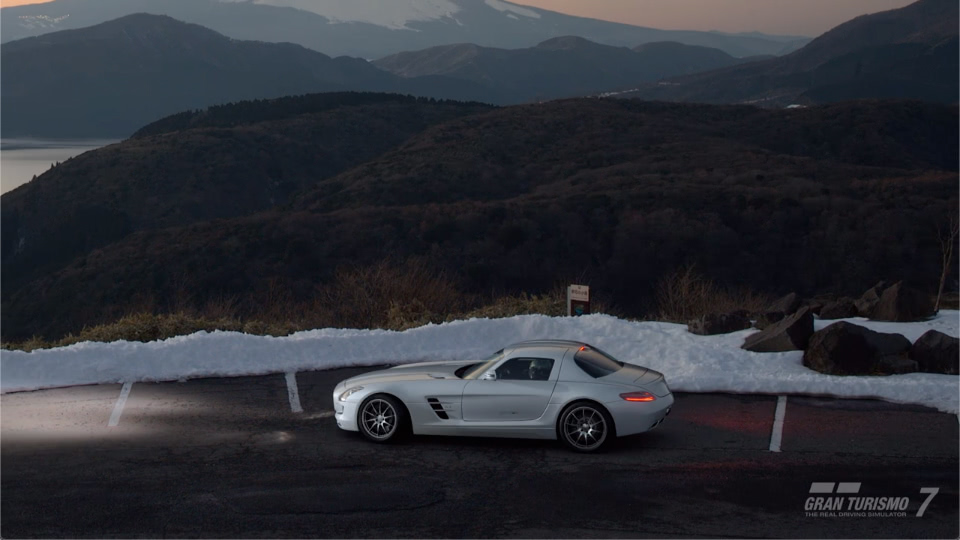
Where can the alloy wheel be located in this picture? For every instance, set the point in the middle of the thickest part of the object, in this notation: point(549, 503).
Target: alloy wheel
point(584, 428)
point(378, 418)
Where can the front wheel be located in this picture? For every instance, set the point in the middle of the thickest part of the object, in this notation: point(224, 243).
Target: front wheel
point(585, 427)
point(380, 418)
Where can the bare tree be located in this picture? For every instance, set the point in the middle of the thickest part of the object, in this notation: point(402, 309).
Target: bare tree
point(948, 239)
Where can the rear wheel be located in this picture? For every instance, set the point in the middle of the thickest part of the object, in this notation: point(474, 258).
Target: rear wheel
point(585, 426)
point(381, 418)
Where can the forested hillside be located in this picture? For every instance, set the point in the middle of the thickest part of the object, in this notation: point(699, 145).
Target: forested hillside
point(221, 162)
point(610, 192)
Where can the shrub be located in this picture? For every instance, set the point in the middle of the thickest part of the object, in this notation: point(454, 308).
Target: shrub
point(686, 294)
point(522, 304)
point(419, 297)
point(135, 327)
point(553, 304)
point(390, 295)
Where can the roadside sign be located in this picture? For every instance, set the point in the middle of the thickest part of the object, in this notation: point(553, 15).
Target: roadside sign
point(578, 300)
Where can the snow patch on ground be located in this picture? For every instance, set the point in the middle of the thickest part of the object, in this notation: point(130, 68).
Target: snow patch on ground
point(389, 13)
point(691, 363)
point(504, 6)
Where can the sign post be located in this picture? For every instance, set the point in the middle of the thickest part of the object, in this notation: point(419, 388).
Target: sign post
point(578, 300)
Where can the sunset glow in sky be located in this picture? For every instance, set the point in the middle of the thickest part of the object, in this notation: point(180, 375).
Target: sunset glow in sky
point(802, 17)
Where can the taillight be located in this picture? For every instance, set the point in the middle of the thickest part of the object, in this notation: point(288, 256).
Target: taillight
point(638, 396)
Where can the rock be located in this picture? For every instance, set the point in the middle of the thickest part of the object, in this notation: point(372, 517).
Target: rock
point(815, 305)
point(790, 334)
point(767, 319)
point(719, 323)
point(900, 303)
point(787, 305)
point(869, 299)
point(777, 311)
point(843, 308)
point(894, 365)
point(844, 348)
point(936, 352)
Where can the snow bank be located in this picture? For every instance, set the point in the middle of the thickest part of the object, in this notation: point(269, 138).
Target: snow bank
point(691, 363)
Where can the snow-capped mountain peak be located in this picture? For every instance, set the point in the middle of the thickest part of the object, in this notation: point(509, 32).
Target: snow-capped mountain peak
point(375, 28)
point(499, 5)
point(394, 14)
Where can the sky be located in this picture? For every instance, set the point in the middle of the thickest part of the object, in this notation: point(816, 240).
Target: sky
point(794, 17)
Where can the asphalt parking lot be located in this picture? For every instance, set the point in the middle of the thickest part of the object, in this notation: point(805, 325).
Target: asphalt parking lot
point(219, 458)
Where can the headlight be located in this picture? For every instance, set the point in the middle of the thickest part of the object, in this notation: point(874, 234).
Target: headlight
point(349, 392)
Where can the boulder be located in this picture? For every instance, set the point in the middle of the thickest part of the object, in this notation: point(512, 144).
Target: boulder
point(815, 305)
point(936, 352)
point(843, 308)
point(895, 365)
point(900, 303)
point(719, 323)
point(790, 334)
point(869, 299)
point(787, 305)
point(844, 348)
point(767, 319)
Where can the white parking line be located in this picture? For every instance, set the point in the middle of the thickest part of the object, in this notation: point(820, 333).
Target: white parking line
point(121, 401)
point(293, 393)
point(777, 434)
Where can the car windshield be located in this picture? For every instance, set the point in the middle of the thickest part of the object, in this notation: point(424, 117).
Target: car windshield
point(478, 369)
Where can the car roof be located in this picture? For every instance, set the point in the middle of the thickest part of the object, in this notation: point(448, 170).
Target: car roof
point(560, 343)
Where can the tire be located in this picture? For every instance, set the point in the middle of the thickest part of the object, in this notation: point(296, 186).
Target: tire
point(381, 418)
point(585, 427)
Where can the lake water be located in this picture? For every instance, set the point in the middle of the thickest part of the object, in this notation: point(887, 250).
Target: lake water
point(20, 159)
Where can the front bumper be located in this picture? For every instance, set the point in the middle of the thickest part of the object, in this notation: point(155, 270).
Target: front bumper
point(345, 412)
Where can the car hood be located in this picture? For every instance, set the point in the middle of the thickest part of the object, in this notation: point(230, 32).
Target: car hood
point(410, 372)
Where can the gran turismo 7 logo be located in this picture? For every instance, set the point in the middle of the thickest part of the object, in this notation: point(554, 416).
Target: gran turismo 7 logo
point(842, 499)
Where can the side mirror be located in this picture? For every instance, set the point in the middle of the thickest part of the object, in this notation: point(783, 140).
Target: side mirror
point(489, 376)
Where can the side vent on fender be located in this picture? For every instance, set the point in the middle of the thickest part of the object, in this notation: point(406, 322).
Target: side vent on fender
point(438, 408)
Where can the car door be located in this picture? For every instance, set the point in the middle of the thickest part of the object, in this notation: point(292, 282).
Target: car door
point(521, 390)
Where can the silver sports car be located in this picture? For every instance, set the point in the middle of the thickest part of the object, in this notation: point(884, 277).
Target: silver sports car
point(552, 389)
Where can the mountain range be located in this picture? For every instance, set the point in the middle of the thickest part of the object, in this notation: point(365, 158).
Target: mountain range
point(112, 78)
point(911, 52)
point(561, 67)
point(376, 28)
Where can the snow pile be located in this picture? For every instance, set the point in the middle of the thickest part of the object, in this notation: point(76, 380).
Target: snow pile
point(691, 363)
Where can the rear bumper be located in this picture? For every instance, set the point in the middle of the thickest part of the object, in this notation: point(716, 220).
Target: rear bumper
point(632, 417)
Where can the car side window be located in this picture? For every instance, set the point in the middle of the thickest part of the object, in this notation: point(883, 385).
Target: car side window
point(525, 369)
point(596, 363)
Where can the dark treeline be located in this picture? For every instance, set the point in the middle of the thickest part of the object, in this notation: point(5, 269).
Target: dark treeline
point(262, 110)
